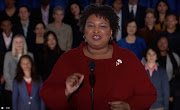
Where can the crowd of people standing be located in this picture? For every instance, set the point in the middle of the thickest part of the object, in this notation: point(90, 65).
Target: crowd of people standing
point(40, 36)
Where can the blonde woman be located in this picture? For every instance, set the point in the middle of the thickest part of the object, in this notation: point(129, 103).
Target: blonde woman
point(19, 48)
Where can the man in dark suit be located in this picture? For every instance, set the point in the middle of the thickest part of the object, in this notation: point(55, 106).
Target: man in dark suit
point(25, 26)
point(132, 10)
point(43, 13)
point(117, 5)
point(6, 37)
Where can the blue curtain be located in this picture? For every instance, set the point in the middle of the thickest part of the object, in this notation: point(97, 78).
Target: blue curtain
point(29, 3)
point(61, 3)
point(2, 5)
point(173, 4)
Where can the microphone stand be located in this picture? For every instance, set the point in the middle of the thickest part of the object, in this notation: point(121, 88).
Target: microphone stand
point(92, 91)
point(92, 81)
point(92, 102)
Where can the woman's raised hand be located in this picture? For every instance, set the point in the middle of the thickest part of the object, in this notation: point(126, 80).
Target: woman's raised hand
point(72, 83)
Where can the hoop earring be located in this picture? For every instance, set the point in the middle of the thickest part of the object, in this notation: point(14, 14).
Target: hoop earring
point(84, 38)
point(111, 38)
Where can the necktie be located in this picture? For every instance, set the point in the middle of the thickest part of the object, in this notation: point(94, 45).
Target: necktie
point(132, 12)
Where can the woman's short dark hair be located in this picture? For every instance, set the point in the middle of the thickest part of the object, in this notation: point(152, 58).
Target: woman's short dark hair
point(20, 73)
point(152, 47)
point(130, 20)
point(102, 11)
point(40, 22)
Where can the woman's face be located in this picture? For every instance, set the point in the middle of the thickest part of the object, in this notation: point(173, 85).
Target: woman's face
point(163, 44)
point(39, 30)
point(97, 31)
point(131, 28)
point(151, 56)
point(25, 65)
point(162, 7)
point(19, 43)
point(51, 42)
point(75, 10)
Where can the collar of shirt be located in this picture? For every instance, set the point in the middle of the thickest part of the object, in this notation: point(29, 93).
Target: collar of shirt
point(25, 25)
point(119, 14)
point(7, 39)
point(25, 28)
point(28, 80)
point(151, 69)
point(45, 15)
point(46, 10)
point(134, 8)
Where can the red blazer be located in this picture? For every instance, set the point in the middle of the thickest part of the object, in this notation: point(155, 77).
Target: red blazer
point(127, 82)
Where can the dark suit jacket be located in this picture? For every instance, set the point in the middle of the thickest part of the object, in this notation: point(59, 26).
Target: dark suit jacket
point(36, 15)
point(123, 23)
point(139, 16)
point(3, 49)
point(30, 34)
point(21, 99)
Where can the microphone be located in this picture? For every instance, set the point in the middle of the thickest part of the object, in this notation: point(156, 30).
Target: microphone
point(92, 81)
point(92, 76)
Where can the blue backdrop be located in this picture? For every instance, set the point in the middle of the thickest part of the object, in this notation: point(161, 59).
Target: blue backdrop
point(173, 4)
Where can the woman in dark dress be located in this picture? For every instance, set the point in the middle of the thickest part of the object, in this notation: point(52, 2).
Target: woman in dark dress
point(72, 16)
point(38, 41)
point(50, 54)
point(10, 11)
point(38, 38)
point(162, 10)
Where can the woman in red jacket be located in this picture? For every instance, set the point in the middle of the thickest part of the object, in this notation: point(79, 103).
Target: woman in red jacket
point(118, 82)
